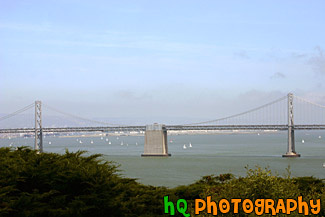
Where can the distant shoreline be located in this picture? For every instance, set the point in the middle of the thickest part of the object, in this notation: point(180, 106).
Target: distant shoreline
point(142, 133)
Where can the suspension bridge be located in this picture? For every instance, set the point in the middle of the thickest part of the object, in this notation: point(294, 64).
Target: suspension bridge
point(288, 113)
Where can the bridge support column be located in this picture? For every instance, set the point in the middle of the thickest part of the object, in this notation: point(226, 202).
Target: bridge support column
point(291, 151)
point(155, 141)
point(38, 127)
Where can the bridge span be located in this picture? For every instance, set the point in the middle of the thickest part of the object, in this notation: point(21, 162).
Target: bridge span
point(167, 127)
point(159, 145)
point(156, 143)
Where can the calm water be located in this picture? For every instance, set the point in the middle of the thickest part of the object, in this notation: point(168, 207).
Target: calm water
point(210, 154)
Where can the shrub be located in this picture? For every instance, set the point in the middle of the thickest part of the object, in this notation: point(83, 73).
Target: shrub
point(71, 184)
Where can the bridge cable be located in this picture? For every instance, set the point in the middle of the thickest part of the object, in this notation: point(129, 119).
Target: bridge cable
point(307, 101)
point(17, 112)
point(309, 114)
point(239, 114)
point(81, 118)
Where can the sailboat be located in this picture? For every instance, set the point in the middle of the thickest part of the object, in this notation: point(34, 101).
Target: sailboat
point(122, 143)
point(80, 141)
point(190, 145)
point(92, 142)
point(136, 143)
point(101, 138)
point(106, 140)
point(184, 146)
point(50, 143)
point(319, 137)
point(302, 141)
point(109, 142)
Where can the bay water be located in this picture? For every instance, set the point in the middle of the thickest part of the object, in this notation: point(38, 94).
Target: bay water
point(209, 154)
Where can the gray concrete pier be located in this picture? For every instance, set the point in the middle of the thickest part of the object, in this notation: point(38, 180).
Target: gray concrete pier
point(155, 144)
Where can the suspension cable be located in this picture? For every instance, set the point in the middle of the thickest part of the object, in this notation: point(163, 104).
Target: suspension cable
point(307, 101)
point(17, 112)
point(239, 114)
point(78, 117)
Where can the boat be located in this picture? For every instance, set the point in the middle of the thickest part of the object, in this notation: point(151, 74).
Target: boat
point(122, 143)
point(92, 142)
point(258, 134)
point(171, 141)
point(324, 164)
point(106, 140)
point(80, 141)
point(302, 141)
point(136, 143)
point(50, 143)
point(319, 137)
point(184, 146)
point(101, 138)
point(109, 142)
point(190, 145)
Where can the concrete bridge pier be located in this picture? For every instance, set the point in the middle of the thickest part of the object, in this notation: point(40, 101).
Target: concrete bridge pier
point(291, 151)
point(155, 144)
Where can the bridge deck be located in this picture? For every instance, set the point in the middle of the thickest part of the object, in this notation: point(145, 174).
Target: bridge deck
point(168, 127)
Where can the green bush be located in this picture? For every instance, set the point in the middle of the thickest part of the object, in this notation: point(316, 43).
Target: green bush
point(50, 184)
point(262, 184)
point(72, 184)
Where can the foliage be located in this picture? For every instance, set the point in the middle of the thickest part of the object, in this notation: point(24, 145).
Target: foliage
point(262, 184)
point(50, 184)
point(72, 184)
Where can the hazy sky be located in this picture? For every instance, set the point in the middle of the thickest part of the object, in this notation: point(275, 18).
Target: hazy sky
point(154, 59)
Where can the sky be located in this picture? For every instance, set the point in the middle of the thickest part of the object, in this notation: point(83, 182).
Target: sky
point(159, 61)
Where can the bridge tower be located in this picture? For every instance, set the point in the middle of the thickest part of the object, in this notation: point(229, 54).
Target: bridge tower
point(155, 141)
point(291, 152)
point(38, 127)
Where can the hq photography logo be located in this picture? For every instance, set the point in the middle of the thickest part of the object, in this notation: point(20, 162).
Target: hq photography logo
point(259, 206)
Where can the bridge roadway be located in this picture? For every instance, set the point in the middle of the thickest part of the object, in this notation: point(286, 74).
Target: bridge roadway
point(168, 128)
